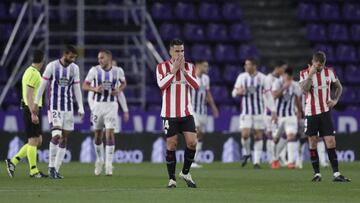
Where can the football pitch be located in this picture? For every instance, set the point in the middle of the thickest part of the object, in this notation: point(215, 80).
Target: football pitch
point(147, 182)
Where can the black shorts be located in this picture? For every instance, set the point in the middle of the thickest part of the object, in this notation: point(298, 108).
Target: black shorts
point(31, 129)
point(320, 124)
point(174, 126)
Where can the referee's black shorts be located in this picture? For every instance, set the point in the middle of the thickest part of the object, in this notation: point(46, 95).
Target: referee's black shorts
point(31, 129)
point(174, 126)
point(320, 124)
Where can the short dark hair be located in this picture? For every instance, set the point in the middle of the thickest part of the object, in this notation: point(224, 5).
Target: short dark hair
point(106, 51)
point(176, 41)
point(70, 49)
point(289, 71)
point(279, 63)
point(38, 56)
point(253, 61)
point(319, 57)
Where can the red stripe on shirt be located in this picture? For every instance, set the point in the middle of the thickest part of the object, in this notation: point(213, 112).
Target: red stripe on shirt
point(45, 78)
point(312, 102)
point(320, 96)
point(327, 84)
point(186, 100)
point(168, 94)
point(178, 95)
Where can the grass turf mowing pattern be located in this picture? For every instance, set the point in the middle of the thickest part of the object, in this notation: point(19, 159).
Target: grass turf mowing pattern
point(147, 182)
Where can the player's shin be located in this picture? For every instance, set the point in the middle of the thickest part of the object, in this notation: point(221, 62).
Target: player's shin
point(60, 155)
point(171, 163)
point(258, 148)
point(109, 154)
point(188, 159)
point(53, 148)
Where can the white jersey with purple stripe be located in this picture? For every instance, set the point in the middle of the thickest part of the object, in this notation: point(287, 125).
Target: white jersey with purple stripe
point(269, 80)
point(198, 97)
point(252, 103)
point(108, 79)
point(61, 79)
point(285, 105)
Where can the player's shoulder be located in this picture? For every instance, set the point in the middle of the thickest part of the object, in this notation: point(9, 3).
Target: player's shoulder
point(74, 65)
point(304, 70)
point(54, 62)
point(261, 75)
point(206, 76)
point(163, 63)
point(190, 63)
point(330, 68)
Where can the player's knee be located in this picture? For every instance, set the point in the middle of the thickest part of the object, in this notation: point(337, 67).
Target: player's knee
point(192, 144)
point(330, 142)
point(313, 142)
point(56, 132)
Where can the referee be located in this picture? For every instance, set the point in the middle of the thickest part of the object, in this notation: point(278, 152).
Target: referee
point(30, 84)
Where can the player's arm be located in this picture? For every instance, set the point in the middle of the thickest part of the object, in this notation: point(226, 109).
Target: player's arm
point(43, 83)
point(306, 81)
point(163, 81)
point(77, 92)
point(332, 102)
point(238, 88)
point(123, 105)
point(298, 106)
point(277, 90)
point(31, 105)
point(190, 77)
point(87, 83)
point(270, 103)
point(212, 104)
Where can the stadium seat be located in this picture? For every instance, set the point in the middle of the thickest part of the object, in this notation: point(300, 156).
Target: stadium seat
point(338, 32)
point(12, 97)
point(3, 11)
point(329, 11)
point(209, 11)
point(215, 75)
point(240, 32)
point(220, 93)
point(216, 32)
point(328, 49)
point(225, 53)
point(355, 32)
point(352, 73)
point(338, 72)
point(153, 94)
point(194, 32)
point(349, 95)
point(351, 11)
point(246, 51)
point(201, 52)
point(161, 11)
point(307, 12)
point(232, 11)
point(231, 72)
point(346, 53)
point(15, 9)
point(185, 11)
point(316, 32)
point(170, 31)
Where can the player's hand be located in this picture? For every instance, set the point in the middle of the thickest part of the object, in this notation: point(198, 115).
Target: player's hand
point(115, 92)
point(312, 69)
point(35, 110)
point(99, 89)
point(241, 91)
point(215, 113)
point(299, 115)
point(176, 65)
point(34, 118)
point(331, 103)
point(274, 117)
point(126, 116)
point(81, 113)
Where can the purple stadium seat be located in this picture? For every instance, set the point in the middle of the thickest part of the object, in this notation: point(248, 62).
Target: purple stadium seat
point(215, 74)
point(15, 9)
point(247, 51)
point(170, 31)
point(3, 11)
point(328, 49)
point(355, 32)
point(194, 32)
point(153, 94)
point(351, 11)
point(12, 97)
point(306, 11)
point(315, 32)
point(240, 32)
point(216, 32)
point(346, 53)
point(338, 32)
point(338, 72)
point(231, 72)
point(201, 52)
point(352, 73)
point(161, 11)
point(209, 11)
point(329, 11)
point(349, 95)
point(225, 53)
point(220, 93)
point(185, 11)
point(232, 11)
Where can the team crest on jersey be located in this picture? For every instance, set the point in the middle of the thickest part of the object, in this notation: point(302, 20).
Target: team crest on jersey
point(251, 89)
point(107, 85)
point(64, 82)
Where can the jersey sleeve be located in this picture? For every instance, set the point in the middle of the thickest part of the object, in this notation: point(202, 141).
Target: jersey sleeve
point(48, 72)
point(76, 74)
point(207, 82)
point(238, 82)
point(32, 79)
point(122, 75)
point(332, 75)
point(90, 76)
point(297, 90)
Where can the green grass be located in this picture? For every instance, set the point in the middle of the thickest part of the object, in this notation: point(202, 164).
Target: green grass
point(146, 183)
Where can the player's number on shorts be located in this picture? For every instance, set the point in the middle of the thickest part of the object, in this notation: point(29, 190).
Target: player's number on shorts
point(55, 114)
point(166, 125)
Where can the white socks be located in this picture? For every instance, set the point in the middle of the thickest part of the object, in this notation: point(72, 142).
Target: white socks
point(99, 151)
point(109, 150)
point(245, 146)
point(322, 153)
point(52, 154)
point(198, 149)
point(59, 157)
point(270, 150)
point(291, 147)
point(258, 148)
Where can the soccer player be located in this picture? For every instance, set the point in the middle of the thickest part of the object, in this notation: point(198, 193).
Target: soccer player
point(175, 79)
point(64, 78)
point(288, 102)
point(199, 98)
point(278, 70)
point(316, 81)
point(30, 84)
point(251, 86)
point(109, 81)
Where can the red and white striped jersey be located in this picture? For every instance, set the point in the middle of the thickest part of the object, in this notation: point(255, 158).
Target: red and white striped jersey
point(175, 88)
point(319, 93)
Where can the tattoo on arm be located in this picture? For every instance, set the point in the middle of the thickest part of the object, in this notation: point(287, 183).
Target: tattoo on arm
point(338, 91)
point(306, 85)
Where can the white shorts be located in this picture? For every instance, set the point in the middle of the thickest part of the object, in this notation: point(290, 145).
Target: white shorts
point(104, 114)
point(290, 124)
point(200, 120)
point(252, 121)
point(268, 123)
point(62, 119)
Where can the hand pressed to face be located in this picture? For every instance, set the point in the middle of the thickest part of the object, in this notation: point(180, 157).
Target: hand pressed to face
point(177, 57)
